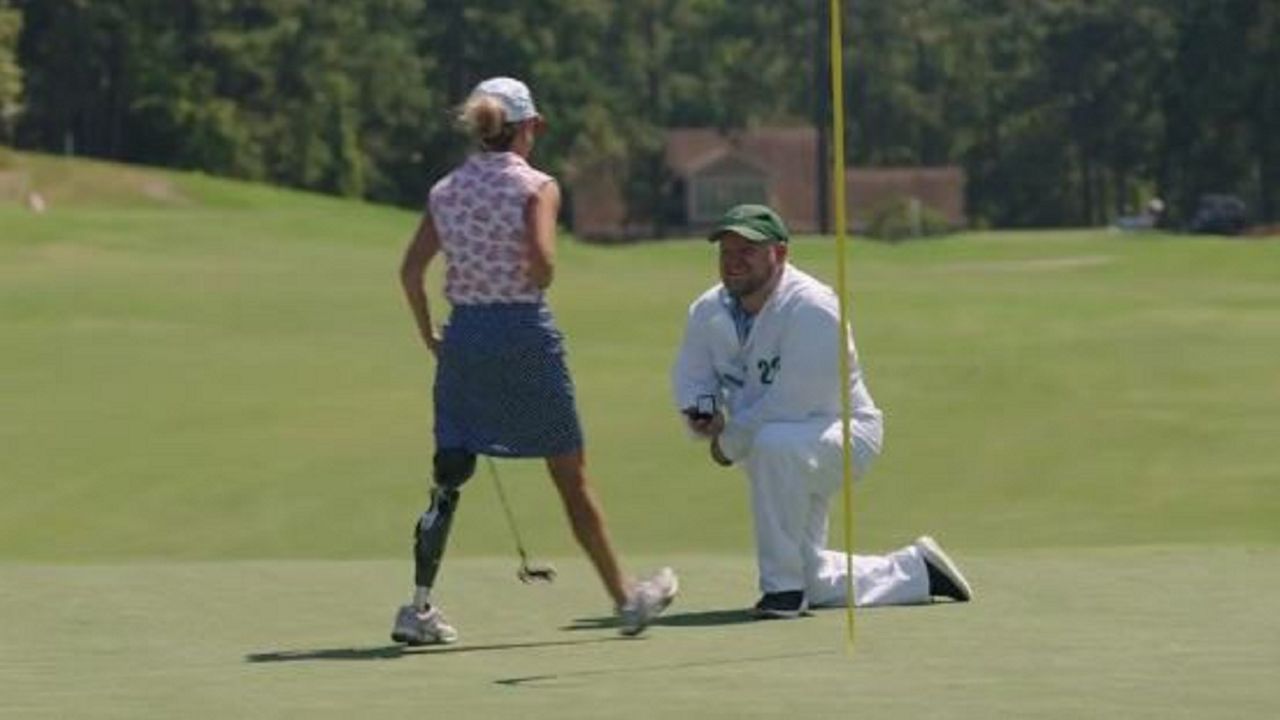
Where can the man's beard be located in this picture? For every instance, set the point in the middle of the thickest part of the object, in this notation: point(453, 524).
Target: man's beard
point(743, 286)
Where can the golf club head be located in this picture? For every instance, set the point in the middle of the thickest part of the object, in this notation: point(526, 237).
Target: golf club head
point(536, 573)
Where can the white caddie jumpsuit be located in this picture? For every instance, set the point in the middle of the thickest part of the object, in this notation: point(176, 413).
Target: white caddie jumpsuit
point(781, 387)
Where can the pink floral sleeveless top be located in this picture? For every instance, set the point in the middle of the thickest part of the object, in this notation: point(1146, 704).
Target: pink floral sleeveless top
point(478, 210)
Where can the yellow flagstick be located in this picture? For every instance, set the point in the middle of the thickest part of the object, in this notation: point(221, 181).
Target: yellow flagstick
point(838, 203)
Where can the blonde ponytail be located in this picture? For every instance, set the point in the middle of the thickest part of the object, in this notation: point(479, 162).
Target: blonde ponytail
point(486, 121)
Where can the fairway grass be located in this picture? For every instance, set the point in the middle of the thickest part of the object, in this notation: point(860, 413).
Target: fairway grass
point(1127, 633)
point(218, 383)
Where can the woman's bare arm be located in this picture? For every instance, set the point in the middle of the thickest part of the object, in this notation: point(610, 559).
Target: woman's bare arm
point(413, 270)
point(540, 214)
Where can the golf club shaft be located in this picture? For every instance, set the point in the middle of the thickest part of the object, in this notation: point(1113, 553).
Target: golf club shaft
point(506, 509)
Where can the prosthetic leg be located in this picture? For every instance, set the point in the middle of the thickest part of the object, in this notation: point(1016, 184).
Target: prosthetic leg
point(452, 468)
point(418, 623)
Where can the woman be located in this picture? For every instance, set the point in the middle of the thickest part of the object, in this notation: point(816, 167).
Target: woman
point(502, 387)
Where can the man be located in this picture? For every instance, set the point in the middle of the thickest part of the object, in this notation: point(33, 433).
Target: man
point(763, 344)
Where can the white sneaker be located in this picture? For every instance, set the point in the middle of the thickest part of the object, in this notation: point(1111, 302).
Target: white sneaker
point(422, 628)
point(647, 601)
point(945, 578)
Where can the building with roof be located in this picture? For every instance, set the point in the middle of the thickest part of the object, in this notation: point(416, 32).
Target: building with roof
point(709, 171)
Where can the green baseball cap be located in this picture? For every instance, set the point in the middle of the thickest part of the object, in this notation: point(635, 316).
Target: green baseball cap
point(756, 223)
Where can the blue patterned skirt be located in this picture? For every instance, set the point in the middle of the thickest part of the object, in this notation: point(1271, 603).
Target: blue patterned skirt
point(502, 387)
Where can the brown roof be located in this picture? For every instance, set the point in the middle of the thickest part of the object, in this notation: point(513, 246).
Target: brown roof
point(788, 156)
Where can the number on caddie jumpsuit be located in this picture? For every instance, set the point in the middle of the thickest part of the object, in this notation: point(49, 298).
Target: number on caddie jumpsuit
point(768, 369)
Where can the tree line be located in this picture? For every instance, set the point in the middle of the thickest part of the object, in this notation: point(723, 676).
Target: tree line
point(1062, 112)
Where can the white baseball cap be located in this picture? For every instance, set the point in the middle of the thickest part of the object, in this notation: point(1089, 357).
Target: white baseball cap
point(514, 95)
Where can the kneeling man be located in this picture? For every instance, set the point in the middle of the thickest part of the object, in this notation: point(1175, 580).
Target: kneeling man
point(763, 345)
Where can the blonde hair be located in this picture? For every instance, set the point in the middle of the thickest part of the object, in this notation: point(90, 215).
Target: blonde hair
point(485, 119)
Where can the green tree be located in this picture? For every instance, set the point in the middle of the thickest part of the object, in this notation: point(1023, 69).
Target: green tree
point(1262, 43)
point(1222, 105)
point(10, 72)
point(1061, 112)
point(1100, 64)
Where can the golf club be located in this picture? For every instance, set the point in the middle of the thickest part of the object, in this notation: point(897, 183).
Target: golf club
point(527, 573)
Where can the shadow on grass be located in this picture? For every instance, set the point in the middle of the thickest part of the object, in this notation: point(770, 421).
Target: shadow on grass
point(394, 652)
point(736, 616)
point(385, 652)
point(630, 669)
point(702, 618)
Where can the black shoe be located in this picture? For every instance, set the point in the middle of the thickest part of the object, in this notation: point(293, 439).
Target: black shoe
point(780, 605)
point(945, 579)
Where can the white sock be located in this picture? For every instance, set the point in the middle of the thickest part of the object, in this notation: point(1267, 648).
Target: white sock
point(420, 601)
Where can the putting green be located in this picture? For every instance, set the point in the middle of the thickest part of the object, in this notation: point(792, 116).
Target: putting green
point(1167, 632)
